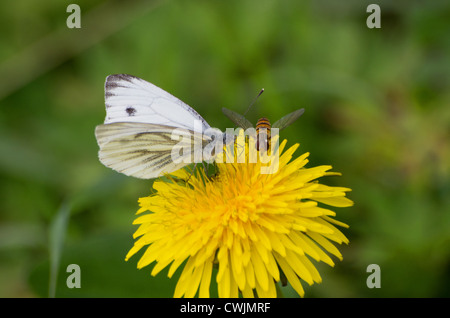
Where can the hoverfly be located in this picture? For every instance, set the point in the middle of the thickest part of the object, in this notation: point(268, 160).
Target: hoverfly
point(263, 125)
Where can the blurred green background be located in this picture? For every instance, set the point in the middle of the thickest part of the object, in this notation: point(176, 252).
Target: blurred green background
point(377, 108)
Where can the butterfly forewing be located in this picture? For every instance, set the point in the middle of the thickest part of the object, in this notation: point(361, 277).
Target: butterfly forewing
point(131, 99)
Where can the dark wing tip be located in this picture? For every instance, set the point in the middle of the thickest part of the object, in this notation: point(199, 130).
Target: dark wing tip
point(113, 81)
point(119, 77)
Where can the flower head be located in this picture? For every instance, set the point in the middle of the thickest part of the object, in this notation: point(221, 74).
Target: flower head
point(258, 228)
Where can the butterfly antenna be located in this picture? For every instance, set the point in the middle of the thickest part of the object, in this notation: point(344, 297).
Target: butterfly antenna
point(254, 100)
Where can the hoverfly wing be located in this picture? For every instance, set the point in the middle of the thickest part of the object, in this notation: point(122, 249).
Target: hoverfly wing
point(238, 119)
point(288, 119)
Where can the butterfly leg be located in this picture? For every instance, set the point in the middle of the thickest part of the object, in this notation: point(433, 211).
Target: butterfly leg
point(205, 168)
point(192, 172)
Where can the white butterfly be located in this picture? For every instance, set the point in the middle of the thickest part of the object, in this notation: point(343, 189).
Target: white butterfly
point(136, 138)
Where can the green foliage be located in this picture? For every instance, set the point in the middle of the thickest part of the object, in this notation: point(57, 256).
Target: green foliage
point(377, 109)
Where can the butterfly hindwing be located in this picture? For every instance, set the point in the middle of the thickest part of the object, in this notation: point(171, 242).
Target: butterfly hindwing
point(144, 150)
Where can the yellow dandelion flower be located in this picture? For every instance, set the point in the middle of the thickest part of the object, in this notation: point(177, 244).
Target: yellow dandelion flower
point(256, 227)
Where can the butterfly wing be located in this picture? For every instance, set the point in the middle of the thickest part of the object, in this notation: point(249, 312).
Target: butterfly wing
point(288, 119)
point(237, 119)
point(143, 150)
point(131, 99)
